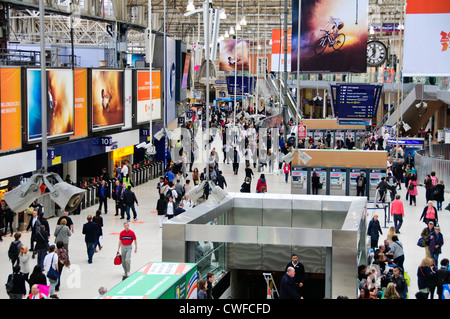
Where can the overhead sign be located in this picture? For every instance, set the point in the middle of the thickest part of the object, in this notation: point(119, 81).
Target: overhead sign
point(355, 102)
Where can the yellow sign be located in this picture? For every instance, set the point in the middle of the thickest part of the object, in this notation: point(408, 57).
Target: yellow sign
point(121, 152)
point(56, 160)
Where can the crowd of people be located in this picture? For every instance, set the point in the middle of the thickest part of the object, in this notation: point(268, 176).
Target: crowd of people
point(386, 276)
point(260, 151)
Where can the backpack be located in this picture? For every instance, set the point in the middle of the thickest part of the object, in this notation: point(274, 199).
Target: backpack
point(13, 251)
point(9, 284)
point(360, 182)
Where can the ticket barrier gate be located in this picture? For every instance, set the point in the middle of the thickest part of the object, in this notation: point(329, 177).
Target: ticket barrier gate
point(337, 181)
point(375, 175)
point(299, 183)
point(353, 174)
point(160, 169)
point(322, 172)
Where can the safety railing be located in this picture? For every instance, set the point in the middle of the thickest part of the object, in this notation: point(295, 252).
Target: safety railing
point(434, 158)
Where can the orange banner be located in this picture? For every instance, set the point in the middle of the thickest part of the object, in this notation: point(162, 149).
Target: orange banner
point(143, 79)
point(424, 7)
point(11, 104)
point(81, 126)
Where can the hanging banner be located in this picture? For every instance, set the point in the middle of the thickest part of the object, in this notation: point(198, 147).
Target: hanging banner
point(81, 107)
point(143, 96)
point(333, 36)
point(427, 38)
point(277, 64)
point(234, 54)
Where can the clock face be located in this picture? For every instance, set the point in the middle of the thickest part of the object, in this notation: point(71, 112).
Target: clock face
point(376, 53)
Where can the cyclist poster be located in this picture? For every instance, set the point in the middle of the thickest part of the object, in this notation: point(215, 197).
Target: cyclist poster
point(333, 36)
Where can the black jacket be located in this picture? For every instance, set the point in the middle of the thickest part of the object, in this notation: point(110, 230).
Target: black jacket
point(288, 288)
point(18, 284)
point(90, 230)
point(116, 196)
point(129, 198)
point(300, 274)
point(41, 238)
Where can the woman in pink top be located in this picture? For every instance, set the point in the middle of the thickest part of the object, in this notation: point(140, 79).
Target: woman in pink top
point(412, 190)
point(398, 212)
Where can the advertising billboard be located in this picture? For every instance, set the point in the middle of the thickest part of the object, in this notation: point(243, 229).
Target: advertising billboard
point(277, 64)
point(11, 104)
point(431, 56)
point(234, 54)
point(60, 103)
point(143, 96)
point(185, 71)
point(333, 36)
point(107, 99)
point(81, 107)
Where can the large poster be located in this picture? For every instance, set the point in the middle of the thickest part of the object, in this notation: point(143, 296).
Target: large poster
point(143, 96)
point(277, 64)
point(333, 36)
point(11, 104)
point(80, 126)
point(234, 54)
point(107, 99)
point(427, 38)
point(60, 103)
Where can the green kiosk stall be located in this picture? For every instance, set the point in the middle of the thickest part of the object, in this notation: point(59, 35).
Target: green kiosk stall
point(158, 280)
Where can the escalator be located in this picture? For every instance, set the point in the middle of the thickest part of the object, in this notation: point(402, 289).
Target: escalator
point(276, 87)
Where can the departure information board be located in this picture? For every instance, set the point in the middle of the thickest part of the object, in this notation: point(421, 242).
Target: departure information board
point(356, 101)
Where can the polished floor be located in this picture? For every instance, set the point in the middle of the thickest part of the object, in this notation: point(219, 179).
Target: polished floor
point(82, 280)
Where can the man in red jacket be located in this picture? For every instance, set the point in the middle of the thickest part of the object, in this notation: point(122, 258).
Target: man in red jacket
point(398, 212)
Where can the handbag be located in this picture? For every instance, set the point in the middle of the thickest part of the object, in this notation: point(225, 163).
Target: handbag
point(411, 186)
point(118, 259)
point(52, 272)
point(420, 242)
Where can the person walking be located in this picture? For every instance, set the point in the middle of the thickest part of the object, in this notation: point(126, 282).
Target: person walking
point(398, 212)
point(41, 247)
point(438, 194)
point(90, 232)
point(161, 206)
point(63, 261)
point(397, 252)
point(24, 261)
point(374, 231)
point(435, 240)
point(14, 249)
point(129, 198)
point(116, 194)
point(103, 192)
point(424, 277)
point(34, 226)
point(63, 233)
point(51, 261)
point(286, 171)
point(412, 190)
point(288, 289)
point(429, 214)
point(17, 289)
point(443, 277)
point(98, 219)
point(261, 185)
point(126, 239)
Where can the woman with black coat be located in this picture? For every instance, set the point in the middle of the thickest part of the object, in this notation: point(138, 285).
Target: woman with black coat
point(161, 206)
point(245, 187)
point(18, 290)
point(37, 277)
point(438, 194)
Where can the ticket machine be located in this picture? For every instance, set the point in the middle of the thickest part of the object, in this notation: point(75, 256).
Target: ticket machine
point(299, 180)
point(375, 175)
point(322, 172)
point(337, 181)
point(353, 174)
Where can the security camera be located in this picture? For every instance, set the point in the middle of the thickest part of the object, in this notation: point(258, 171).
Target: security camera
point(141, 145)
point(288, 157)
point(159, 134)
point(305, 158)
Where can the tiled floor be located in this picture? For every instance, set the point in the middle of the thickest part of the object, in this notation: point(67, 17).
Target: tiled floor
point(82, 280)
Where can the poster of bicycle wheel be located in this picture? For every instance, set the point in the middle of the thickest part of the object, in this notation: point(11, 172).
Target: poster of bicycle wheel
point(333, 36)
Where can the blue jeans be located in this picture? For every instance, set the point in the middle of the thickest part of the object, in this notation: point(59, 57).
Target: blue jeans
point(128, 212)
point(439, 206)
point(90, 251)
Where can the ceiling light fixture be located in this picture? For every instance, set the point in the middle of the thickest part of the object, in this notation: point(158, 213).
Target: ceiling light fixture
point(190, 7)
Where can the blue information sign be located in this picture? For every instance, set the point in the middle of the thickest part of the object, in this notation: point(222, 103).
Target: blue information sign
point(356, 101)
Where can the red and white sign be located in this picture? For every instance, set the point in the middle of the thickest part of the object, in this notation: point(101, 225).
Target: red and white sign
point(427, 38)
point(302, 132)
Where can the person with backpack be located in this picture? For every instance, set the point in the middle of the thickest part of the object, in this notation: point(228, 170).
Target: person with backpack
point(14, 249)
point(360, 185)
point(15, 286)
point(130, 198)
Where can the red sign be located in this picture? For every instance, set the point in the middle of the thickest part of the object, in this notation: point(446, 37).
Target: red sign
point(302, 130)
